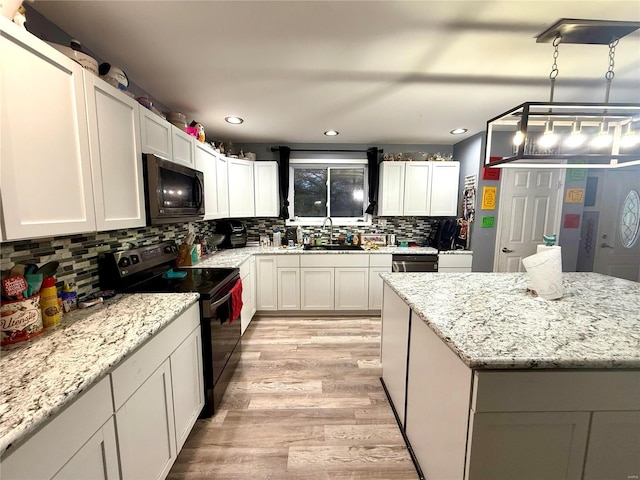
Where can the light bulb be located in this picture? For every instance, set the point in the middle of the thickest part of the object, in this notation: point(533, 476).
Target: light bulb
point(518, 138)
point(576, 138)
point(548, 139)
point(603, 139)
point(629, 139)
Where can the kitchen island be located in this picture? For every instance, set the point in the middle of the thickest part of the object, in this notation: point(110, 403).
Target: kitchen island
point(490, 382)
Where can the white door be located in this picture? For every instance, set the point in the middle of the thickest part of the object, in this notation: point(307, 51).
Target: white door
point(617, 251)
point(155, 134)
point(267, 283)
point(116, 158)
point(445, 179)
point(183, 146)
point(206, 163)
point(266, 189)
point(530, 206)
point(391, 201)
point(146, 429)
point(222, 179)
point(45, 173)
point(241, 194)
point(187, 385)
point(316, 289)
point(289, 288)
point(352, 288)
point(417, 189)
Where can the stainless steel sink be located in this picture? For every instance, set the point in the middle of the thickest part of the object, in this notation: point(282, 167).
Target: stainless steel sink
point(333, 247)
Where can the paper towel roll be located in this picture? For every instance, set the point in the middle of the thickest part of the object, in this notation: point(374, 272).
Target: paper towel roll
point(545, 272)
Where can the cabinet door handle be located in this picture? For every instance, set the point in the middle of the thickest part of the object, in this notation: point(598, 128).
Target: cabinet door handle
point(605, 245)
point(506, 250)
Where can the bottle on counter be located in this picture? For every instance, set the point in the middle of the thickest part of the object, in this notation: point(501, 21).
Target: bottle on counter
point(49, 303)
point(299, 238)
point(277, 238)
point(69, 298)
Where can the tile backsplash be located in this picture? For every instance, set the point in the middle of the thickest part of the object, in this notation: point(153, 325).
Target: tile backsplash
point(78, 254)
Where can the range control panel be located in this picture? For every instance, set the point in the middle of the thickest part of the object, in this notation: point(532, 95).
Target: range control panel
point(139, 259)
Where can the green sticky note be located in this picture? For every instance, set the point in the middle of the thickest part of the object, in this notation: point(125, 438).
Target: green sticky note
point(488, 222)
point(577, 174)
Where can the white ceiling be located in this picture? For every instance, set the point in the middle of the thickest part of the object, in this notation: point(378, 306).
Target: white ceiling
point(379, 72)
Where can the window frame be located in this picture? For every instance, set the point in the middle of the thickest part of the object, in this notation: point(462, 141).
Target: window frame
point(364, 220)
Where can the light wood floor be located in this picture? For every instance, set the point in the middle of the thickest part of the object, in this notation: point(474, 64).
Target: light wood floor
point(305, 403)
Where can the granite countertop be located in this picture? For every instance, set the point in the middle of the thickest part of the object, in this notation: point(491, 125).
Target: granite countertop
point(42, 375)
point(492, 322)
point(234, 257)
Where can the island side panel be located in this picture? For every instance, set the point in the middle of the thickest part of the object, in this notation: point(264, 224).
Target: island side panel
point(438, 396)
point(395, 345)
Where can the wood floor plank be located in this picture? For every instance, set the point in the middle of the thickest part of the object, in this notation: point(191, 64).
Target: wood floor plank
point(304, 403)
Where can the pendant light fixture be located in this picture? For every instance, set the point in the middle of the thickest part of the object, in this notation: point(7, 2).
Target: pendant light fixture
point(569, 135)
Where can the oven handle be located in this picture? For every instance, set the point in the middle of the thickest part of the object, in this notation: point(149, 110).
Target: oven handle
point(217, 303)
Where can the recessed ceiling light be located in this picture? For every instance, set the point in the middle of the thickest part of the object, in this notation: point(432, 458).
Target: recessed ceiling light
point(331, 133)
point(234, 120)
point(458, 131)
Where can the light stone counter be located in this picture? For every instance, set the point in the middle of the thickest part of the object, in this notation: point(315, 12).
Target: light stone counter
point(42, 375)
point(234, 257)
point(492, 322)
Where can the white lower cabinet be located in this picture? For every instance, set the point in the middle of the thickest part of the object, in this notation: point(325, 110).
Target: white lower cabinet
point(532, 445)
point(267, 282)
point(248, 276)
point(614, 446)
point(455, 262)
point(438, 392)
point(146, 428)
point(316, 288)
point(78, 442)
point(379, 263)
point(395, 349)
point(97, 459)
point(289, 288)
point(156, 394)
point(352, 288)
point(187, 385)
point(340, 282)
point(288, 271)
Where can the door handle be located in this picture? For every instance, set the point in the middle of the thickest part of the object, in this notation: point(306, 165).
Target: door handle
point(605, 245)
point(506, 250)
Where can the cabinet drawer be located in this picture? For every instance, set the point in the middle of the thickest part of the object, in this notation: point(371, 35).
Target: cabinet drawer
point(288, 261)
point(455, 260)
point(42, 455)
point(332, 260)
point(538, 391)
point(132, 373)
point(380, 260)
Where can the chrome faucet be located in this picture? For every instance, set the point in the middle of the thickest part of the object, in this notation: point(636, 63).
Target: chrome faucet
point(324, 224)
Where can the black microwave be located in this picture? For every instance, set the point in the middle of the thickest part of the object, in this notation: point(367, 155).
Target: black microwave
point(174, 193)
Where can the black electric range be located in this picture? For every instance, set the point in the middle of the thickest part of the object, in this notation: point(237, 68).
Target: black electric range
point(149, 269)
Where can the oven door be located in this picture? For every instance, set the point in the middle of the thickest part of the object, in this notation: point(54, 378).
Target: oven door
point(173, 192)
point(220, 348)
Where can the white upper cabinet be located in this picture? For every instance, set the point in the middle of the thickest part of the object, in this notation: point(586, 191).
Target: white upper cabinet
point(391, 195)
point(444, 188)
point(183, 147)
point(45, 174)
point(418, 189)
point(417, 183)
point(222, 178)
point(205, 160)
point(116, 158)
point(267, 196)
point(155, 134)
point(241, 195)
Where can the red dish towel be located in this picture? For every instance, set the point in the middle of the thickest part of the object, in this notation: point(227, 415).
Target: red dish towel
point(236, 300)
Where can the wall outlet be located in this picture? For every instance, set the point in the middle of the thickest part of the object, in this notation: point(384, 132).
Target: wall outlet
point(192, 228)
point(382, 222)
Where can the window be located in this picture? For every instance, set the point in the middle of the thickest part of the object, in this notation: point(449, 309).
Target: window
point(319, 190)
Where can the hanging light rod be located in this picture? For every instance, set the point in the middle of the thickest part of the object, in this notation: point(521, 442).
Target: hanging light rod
point(589, 32)
point(276, 149)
